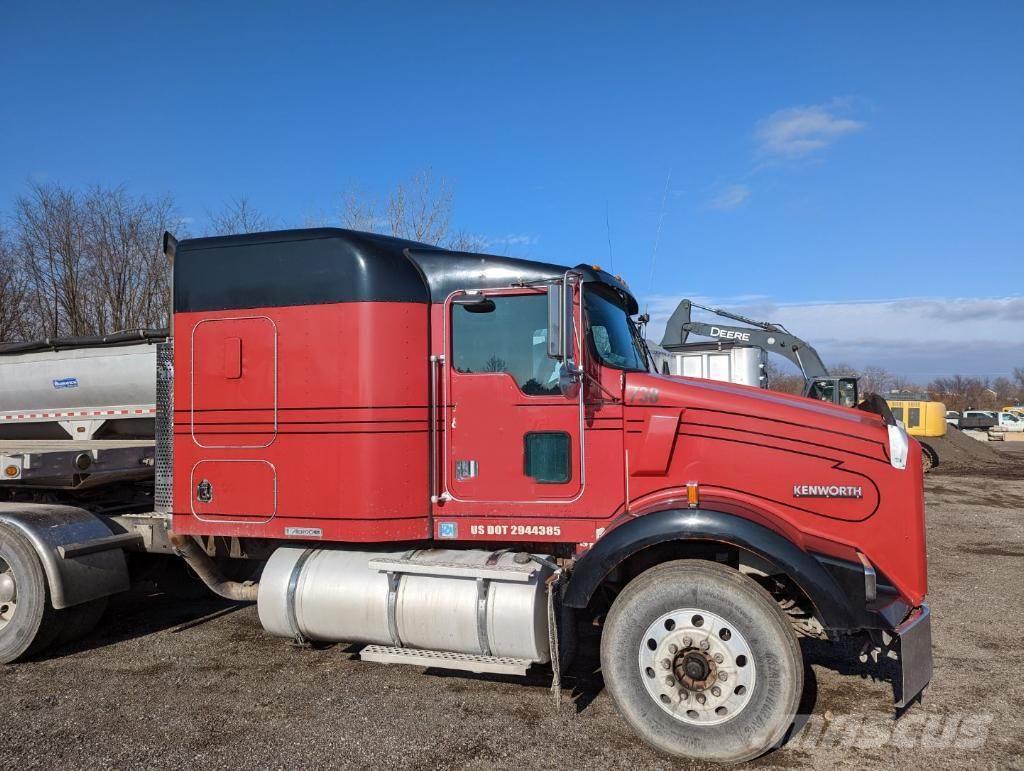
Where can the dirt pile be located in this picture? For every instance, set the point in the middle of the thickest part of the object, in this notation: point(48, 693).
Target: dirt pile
point(960, 454)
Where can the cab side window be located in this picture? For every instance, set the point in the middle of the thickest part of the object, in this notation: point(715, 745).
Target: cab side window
point(506, 335)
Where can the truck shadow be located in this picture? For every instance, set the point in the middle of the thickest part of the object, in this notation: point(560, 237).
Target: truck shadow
point(141, 611)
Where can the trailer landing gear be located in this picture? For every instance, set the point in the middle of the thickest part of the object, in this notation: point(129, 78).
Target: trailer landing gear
point(701, 662)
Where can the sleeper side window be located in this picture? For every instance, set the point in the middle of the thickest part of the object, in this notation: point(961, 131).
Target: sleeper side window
point(507, 334)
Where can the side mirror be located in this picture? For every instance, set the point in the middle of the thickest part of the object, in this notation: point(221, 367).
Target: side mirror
point(560, 325)
point(560, 336)
point(556, 320)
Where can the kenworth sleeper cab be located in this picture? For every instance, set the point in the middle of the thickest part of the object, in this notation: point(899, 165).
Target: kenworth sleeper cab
point(456, 459)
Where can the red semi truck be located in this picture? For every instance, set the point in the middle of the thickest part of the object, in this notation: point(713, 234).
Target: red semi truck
point(456, 459)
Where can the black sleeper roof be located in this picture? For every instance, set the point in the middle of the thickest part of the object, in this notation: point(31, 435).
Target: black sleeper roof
point(331, 265)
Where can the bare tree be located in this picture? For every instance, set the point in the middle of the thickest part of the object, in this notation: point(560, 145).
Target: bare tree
point(1018, 376)
point(787, 381)
point(238, 216)
point(418, 209)
point(963, 393)
point(52, 241)
point(90, 262)
point(128, 282)
point(875, 380)
point(13, 293)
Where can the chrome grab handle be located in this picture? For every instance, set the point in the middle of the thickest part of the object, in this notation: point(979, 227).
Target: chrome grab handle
point(436, 362)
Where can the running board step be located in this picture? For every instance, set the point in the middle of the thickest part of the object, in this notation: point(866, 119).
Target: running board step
point(465, 662)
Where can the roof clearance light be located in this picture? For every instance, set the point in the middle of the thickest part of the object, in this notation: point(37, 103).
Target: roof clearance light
point(11, 471)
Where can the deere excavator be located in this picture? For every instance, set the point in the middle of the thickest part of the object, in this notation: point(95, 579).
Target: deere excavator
point(775, 338)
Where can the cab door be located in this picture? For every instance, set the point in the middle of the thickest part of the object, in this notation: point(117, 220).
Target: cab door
point(510, 435)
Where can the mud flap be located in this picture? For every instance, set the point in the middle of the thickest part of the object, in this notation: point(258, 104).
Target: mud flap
point(915, 654)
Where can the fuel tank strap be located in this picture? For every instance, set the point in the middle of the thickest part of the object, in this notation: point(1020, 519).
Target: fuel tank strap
point(482, 590)
point(394, 579)
point(293, 585)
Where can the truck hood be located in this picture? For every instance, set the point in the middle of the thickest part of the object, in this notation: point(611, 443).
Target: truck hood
point(838, 481)
point(712, 394)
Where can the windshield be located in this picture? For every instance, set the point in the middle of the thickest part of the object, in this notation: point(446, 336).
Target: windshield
point(611, 332)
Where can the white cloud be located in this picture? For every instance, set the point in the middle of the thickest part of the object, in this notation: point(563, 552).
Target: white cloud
point(513, 239)
point(796, 132)
point(920, 338)
point(730, 198)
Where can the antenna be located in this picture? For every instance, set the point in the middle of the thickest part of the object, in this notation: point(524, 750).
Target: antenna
point(608, 228)
point(657, 237)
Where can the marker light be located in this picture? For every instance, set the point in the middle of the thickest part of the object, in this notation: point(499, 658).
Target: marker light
point(692, 496)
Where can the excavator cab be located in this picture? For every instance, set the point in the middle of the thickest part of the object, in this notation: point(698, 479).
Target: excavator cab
point(835, 390)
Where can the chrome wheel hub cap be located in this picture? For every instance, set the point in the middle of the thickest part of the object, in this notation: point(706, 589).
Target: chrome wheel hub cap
point(8, 594)
point(697, 666)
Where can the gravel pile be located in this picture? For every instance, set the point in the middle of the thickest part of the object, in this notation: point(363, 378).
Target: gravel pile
point(962, 454)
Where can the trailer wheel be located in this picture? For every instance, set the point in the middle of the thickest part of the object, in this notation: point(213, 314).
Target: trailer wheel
point(28, 624)
point(701, 662)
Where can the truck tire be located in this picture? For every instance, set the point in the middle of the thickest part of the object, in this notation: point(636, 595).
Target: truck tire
point(701, 662)
point(28, 623)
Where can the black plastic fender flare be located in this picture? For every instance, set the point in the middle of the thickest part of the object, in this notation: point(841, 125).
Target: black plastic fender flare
point(701, 525)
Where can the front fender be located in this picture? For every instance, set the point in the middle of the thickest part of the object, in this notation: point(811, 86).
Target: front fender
point(837, 609)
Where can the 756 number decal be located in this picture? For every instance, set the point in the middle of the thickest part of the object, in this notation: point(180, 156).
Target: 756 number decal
point(644, 396)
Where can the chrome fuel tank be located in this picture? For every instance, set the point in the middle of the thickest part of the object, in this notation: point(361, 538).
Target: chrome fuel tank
point(456, 601)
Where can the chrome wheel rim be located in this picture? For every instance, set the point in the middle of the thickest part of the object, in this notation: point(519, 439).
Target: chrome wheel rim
point(697, 666)
point(8, 593)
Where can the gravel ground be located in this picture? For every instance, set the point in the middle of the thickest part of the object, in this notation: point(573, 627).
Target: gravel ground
point(172, 684)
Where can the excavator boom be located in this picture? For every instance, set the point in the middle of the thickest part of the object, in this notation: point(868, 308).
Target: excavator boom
point(773, 338)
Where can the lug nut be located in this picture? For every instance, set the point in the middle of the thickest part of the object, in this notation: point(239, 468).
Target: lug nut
point(718, 658)
point(704, 645)
point(684, 696)
point(687, 642)
point(666, 664)
point(723, 676)
point(669, 682)
point(673, 649)
point(701, 698)
point(716, 691)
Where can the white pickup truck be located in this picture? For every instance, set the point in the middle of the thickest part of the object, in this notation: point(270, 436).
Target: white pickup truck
point(1004, 421)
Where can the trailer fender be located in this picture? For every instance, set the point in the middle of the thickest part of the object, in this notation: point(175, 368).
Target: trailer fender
point(695, 525)
point(82, 559)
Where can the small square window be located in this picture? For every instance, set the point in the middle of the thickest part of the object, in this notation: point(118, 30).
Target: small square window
point(546, 456)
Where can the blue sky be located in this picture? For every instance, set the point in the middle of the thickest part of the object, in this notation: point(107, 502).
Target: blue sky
point(798, 155)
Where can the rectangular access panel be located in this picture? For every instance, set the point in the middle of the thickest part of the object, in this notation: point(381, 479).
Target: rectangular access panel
point(234, 382)
point(234, 491)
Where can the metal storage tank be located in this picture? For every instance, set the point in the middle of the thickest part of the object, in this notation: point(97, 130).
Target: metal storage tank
point(720, 361)
point(54, 394)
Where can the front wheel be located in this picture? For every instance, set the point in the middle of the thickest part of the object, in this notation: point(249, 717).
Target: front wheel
point(701, 662)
